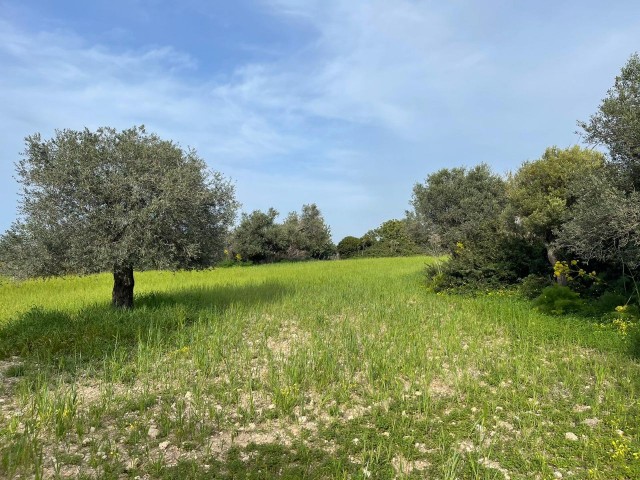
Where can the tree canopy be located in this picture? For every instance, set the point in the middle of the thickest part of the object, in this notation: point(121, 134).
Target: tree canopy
point(459, 204)
point(260, 239)
point(540, 193)
point(616, 124)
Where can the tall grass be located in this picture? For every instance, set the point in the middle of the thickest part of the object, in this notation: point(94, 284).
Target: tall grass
point(347, 369)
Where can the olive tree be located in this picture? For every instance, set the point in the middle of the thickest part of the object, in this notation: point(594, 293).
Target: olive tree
point(115, 201)
point(258, 238)
point(616, 124)
point(604, 223)
point(540, 193)
point(460, 205)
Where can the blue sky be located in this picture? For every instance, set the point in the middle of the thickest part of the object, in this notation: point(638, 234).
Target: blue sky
point(344, 103)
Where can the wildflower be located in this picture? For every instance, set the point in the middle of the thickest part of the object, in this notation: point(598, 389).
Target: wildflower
point(620, 450)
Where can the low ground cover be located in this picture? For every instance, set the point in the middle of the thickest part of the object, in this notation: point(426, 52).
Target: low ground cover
point(347, 369)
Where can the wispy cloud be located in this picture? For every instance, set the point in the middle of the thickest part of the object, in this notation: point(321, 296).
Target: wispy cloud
point(384, 63)
point(248, 123)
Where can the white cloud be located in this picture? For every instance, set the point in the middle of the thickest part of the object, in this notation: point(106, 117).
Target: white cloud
point(54, 81)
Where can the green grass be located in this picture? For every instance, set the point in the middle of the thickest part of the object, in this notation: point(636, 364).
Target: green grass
point(347, 369)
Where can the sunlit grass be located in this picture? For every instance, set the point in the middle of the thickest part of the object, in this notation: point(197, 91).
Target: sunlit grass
point(347, 369)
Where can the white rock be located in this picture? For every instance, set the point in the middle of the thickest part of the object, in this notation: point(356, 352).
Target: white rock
point(571, 436)
point(591, 422)
point(153, 432)
point(557, 474)
point(163, 445)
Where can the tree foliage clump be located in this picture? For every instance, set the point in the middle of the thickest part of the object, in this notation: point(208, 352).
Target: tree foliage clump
point(461, 205)
point(302, 236)
point(309, 233)
point(604, 224)
point(540, 193)
point(348, 247)
point(109, 200)
point(462, 208)
point(616, 124)
point(391, 239)
point(258, 238)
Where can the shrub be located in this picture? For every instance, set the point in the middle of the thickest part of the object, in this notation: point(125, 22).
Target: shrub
point(533, 285)
point(559, 300)
point(608, 301)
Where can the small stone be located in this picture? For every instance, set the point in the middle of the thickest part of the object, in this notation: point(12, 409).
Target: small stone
point(557, 474)
point(571, 436)
point(163, 445)
point(153, 432)
point(591, 422)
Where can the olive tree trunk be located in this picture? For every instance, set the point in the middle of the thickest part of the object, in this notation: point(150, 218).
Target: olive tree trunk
point(551, 256)
point(122, 296)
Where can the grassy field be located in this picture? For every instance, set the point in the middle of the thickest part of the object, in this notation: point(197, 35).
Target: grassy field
point(345, 369)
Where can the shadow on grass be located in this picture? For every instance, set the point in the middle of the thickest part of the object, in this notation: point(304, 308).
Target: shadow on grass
point(265, 462)
point(95, 330)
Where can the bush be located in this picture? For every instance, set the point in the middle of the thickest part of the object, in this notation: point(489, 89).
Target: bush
point(533, 285)
point(497, 261)
point(608, 301)
point(348, 247)
point(466, 276)
point(559, 300)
